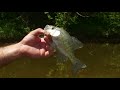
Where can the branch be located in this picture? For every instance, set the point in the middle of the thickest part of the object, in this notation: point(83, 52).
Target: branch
point(81, 15)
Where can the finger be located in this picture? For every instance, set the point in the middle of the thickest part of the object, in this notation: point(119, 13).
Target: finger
point(42, 52)
point(48, 54)
point(37, 32)
point(50, 49)
point(48, 39)
point(42, 43)
point(42, 40)
point(47, 35)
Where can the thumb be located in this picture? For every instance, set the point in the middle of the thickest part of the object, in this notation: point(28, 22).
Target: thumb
point(37, 32)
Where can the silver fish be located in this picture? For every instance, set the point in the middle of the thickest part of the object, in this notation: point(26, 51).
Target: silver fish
point(64, 44)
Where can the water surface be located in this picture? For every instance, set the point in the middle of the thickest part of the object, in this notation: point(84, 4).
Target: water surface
point(102, 60)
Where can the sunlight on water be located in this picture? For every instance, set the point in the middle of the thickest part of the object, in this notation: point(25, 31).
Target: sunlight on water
point(102, 60)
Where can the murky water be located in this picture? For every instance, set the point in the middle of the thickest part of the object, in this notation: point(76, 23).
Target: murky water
point(102, 60)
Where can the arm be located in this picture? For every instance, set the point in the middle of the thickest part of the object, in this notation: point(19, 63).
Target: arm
point(9, 53)
point(31, 45)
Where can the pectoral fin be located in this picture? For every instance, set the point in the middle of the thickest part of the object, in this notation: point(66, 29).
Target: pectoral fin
point(61, 58)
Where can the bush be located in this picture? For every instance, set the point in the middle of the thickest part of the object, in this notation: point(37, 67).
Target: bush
point(96, 24)
point(12, 26)
point(15, 25)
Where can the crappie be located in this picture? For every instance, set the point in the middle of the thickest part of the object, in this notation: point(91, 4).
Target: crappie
point(64, 44)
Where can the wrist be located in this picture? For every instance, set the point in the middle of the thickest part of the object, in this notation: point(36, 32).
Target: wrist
point(18, 50)
point(9, 53)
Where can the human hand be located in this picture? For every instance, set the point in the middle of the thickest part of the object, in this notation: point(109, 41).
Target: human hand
point(34, 46)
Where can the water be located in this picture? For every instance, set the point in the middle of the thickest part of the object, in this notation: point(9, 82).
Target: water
point(102, 60)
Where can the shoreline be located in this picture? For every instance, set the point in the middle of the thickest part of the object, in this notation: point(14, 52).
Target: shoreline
point(94, 40)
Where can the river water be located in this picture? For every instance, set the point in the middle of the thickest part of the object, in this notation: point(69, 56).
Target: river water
point(102, 60)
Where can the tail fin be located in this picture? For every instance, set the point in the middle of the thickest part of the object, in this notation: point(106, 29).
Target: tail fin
point(78, 65)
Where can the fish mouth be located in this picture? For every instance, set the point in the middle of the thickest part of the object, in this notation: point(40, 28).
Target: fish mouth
point(52, 30)
point(54, 33)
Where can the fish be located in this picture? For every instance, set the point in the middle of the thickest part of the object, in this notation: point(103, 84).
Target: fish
point(65, 45)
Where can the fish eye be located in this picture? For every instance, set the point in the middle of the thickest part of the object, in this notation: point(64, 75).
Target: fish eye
point(53, 27)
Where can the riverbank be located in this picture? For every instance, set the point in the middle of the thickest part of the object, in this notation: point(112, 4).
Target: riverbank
point(84, 40)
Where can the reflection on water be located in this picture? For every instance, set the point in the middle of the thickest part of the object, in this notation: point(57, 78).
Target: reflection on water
point(102, 60)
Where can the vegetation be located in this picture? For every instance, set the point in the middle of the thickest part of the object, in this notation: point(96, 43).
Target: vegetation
point(84, 25)
point(12, 26)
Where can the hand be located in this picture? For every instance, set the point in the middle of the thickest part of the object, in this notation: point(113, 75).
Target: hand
point(34, 46)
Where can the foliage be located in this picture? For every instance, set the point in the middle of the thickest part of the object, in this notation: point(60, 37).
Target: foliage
point(15, 25)
point(12, 26)
point(63, 19)
point(108, 21)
